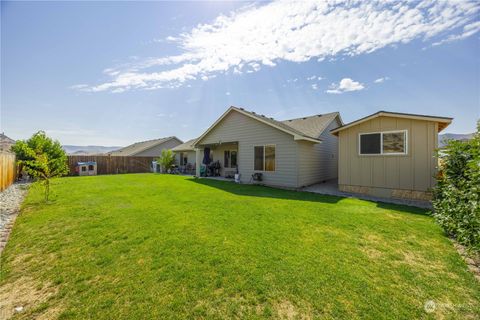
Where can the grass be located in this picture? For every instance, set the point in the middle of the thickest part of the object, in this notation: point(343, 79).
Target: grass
point(145, 246)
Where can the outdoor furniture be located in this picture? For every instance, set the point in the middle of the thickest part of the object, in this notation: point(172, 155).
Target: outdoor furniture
point(214, 169)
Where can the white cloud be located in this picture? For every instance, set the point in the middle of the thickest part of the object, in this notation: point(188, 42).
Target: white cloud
point(227, 93)
point(468, 30)
point(314, 86)
point(297, 31)
point(380, 80)
point(345, 85)
point(312, 78)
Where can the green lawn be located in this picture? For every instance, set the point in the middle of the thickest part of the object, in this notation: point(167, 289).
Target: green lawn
point(145, 246)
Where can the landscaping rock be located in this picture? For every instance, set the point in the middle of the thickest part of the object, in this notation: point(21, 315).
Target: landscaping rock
point(10, 201)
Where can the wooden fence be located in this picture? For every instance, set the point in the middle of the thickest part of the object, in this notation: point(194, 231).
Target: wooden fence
point(8, 170)
point(113, 164)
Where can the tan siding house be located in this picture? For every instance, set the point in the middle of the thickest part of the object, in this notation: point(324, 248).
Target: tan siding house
point(280, 150)
point(389, 155)
point(150, 148)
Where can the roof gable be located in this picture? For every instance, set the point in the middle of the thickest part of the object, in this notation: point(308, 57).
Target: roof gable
point(443, 122)
point(309, 130)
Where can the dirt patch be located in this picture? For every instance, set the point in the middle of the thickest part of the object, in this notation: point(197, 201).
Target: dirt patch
point(372, 253)
point(373, 239)
point(24, 293)
point(287, 310)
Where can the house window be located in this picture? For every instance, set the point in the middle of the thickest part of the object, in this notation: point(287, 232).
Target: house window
point(258, 158)
point(226, 159)
point(269, 158)
point(233, 159)
point(84, 168)
point(264, 158)
point(230, 159)
point(183, 158)
point(389, 142)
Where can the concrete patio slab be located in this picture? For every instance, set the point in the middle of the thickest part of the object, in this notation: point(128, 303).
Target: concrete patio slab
point(330, 187)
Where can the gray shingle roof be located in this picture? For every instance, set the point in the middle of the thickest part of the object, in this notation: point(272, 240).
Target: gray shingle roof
point(138, 147)
point(312, 126)
point(187, 146)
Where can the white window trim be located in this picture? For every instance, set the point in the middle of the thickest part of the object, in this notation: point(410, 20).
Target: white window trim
point(264, 145)
point(381, 144)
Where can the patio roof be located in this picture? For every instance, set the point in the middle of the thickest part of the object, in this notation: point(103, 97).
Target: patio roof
point(186, 146)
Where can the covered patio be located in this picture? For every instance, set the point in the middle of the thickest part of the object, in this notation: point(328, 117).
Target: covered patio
point(217, 160)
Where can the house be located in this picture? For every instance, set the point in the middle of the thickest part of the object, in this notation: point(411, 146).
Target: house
point(291, 153)
point(389, 154)
point(185, 156)
point(150, 148)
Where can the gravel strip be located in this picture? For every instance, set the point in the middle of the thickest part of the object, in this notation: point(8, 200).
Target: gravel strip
point(10, 200)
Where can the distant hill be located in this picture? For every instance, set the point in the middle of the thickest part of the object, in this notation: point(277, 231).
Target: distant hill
point(443, 138)
point(86, 150)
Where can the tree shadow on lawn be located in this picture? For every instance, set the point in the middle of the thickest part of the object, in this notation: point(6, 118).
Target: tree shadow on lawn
point(270, 192)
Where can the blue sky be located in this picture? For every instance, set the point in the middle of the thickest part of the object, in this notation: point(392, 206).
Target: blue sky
point(112, 73)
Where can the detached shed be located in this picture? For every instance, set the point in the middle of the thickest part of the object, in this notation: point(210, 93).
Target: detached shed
point(389, 154)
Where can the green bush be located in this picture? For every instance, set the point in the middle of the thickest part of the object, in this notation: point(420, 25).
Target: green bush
point(166, 160)
point(457, 194)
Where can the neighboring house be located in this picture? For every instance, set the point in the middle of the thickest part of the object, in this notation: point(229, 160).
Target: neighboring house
point(291, 153)
point(5, 143)
point(389, 154)
point(185, 156)
point(150, 148)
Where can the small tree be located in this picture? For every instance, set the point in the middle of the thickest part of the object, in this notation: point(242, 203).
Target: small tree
point(166, 160)
point(42, 158)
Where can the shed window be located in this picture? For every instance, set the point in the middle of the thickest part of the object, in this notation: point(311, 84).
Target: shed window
point(394, 142)
point(84, 168)
point(264, 158)
point(391, 142)
point(370, 143)
point(90, 167)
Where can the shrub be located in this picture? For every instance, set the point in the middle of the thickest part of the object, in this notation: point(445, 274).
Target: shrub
point(42, 158)
point(166, 160)
point(457, 194)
